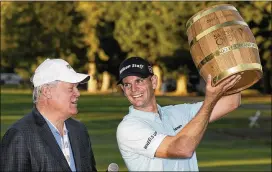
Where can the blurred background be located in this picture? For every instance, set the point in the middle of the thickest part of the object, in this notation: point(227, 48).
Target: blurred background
point(95, 37)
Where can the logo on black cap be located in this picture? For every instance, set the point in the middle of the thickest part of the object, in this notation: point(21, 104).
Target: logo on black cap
point(134, 66)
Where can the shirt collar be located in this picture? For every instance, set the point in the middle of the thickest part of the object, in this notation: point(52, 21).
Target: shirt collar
point(53, 128)
point(146, 115)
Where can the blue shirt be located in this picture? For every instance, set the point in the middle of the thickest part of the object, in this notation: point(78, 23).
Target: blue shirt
point(58, 137)
point(140, 134)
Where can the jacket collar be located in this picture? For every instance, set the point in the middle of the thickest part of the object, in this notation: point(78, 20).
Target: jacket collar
point(75, 143)
point(49, 139)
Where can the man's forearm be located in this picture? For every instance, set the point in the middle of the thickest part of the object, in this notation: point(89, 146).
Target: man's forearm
point(225, 105)
point(186, 141)
point(190, 136)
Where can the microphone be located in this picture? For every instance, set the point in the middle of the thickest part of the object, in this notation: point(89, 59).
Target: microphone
point(113, 167)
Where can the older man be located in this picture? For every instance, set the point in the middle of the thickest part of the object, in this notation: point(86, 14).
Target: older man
point(48, 139)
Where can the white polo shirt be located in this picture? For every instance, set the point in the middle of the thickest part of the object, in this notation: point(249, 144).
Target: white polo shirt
point(140, 134)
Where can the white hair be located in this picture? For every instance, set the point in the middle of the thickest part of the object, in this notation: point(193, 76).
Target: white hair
point(37, 90)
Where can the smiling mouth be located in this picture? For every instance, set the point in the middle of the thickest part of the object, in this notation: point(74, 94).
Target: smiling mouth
point(74, 102)
point(138, 95)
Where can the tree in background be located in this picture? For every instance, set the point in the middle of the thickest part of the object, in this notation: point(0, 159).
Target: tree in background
point(92, 12)
point(104, 53)
point(97, 36)
point(151, 30)
point(34, 31)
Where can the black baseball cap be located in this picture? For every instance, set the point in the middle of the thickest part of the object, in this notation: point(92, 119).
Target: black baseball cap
point(134, 66)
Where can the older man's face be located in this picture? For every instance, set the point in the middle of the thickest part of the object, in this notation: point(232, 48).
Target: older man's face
point(64, 98)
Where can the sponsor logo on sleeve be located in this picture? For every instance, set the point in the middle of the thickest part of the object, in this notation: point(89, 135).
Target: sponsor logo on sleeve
point(178, 127)
point(150, 139)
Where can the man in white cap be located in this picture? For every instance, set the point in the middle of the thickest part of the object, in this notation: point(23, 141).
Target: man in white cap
point(48, 139)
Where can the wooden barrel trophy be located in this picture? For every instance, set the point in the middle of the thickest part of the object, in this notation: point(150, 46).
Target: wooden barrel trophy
point(222, 44)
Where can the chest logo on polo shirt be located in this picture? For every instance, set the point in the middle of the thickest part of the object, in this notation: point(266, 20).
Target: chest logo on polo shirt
point(178, 127)
point(150, 139)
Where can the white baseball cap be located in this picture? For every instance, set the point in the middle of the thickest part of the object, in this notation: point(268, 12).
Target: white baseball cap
point(57, 70)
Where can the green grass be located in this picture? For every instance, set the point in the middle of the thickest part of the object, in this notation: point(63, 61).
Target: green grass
point(228, 145)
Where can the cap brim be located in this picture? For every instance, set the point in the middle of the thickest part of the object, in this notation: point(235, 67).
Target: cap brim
point(85, 80)
point(77, 78)
point(133, 74)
